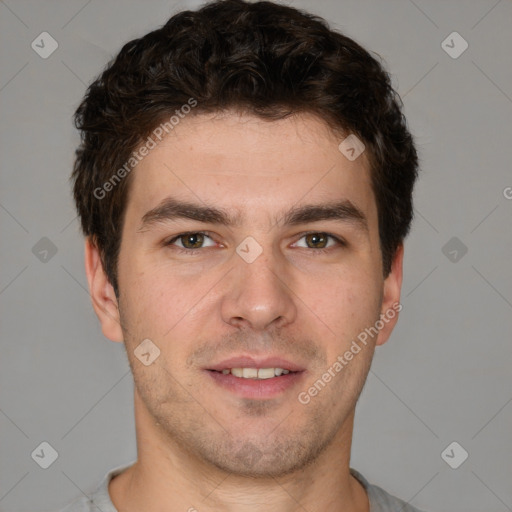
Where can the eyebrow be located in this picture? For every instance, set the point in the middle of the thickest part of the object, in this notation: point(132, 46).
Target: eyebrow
point(173, 209)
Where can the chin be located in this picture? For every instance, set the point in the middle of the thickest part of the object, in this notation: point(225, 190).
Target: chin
point(257, 460)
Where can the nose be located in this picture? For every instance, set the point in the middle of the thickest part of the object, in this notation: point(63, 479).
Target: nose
point(258, 295)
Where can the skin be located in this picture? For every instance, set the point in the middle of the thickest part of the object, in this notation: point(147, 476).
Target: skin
point(200, 445)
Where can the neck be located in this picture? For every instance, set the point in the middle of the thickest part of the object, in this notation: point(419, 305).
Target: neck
point(168, 477)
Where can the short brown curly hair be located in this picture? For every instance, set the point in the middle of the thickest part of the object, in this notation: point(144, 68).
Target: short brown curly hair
point(264, 58)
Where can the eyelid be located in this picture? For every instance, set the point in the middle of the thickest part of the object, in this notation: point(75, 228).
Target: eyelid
point(173, 239)
point(170, 242)
point(336, 238)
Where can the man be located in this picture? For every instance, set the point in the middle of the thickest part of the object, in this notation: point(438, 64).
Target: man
point(244, 183)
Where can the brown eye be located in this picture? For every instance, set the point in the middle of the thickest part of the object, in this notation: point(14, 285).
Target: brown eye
point(192, 240)
point(321, 242)
point(318, 240)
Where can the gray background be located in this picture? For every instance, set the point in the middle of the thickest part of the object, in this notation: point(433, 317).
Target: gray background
point(445, 373)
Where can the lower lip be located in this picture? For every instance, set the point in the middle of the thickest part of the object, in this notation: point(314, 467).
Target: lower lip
point(256, 388)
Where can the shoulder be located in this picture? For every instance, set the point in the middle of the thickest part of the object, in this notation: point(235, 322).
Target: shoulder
point(100, 498)
point(82, 504)
point(380, 500)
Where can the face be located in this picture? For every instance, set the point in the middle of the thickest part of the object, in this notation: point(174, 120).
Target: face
point(249, 244)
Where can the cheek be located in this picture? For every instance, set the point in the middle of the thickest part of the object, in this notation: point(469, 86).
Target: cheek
point(349, 304)
point(161, 303)
point(162, 299)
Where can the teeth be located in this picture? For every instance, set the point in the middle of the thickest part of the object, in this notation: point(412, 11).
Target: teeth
point(265, 373)
point(250, 373)
point(255, 373)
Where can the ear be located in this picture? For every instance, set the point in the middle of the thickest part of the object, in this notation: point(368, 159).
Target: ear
point(102, 293)
point(391, 297)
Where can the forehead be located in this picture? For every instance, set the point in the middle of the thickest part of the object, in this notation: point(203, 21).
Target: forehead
point(250, 166)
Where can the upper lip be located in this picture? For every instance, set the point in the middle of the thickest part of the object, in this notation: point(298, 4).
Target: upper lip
point(254, 362)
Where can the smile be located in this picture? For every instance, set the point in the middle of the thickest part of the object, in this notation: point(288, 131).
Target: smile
point(255, 373)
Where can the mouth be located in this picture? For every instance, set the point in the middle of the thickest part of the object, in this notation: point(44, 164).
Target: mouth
point(255, 373)
point(247, 378)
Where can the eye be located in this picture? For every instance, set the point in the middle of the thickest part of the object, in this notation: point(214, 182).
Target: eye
point(189, 241)
point(319, 241)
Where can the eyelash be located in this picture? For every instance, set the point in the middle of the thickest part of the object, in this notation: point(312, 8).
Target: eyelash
point(180, 250)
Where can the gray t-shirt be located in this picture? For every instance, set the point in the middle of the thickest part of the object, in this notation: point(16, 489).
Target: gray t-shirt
point(99, 500)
